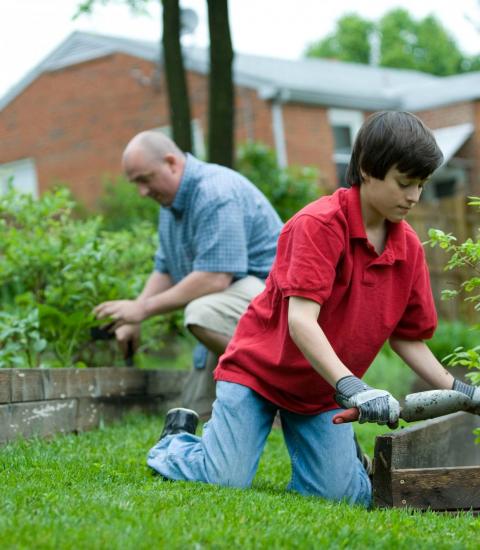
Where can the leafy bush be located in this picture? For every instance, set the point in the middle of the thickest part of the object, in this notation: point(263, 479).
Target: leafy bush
point(54, 269)
point(122, 207)
point(288, 189)
point(449, 332)
point(461, 256)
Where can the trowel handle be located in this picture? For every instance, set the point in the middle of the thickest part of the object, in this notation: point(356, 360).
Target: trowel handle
point(347, 415)
point(353, 414)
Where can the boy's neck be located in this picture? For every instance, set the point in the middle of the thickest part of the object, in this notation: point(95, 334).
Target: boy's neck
point(375, 225)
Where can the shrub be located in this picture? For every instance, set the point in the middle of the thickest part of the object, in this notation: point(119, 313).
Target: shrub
point(288, 189)
point(461, 256)
point(54, 269)
point(451, 331)
point(122, 207)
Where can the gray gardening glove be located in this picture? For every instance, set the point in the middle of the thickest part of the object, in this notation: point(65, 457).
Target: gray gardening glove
point(373, 405)
point(471, 391)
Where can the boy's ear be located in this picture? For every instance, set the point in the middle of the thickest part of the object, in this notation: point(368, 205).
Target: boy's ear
point(365, 176)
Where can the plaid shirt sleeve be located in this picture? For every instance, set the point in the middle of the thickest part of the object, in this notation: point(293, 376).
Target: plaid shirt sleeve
point(220, 240)
point(159, 261)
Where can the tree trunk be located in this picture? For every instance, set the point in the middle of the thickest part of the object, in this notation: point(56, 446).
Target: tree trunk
point(221, 97)
point(175, 76)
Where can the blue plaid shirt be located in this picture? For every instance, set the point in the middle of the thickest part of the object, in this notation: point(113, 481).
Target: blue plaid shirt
point(218, 222)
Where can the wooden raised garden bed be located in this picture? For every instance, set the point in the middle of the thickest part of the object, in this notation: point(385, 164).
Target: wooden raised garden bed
point(43, 402)
point(432, 465)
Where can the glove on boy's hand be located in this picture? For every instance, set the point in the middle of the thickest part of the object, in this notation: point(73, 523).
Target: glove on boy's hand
point(472, 391)
point(373, 405)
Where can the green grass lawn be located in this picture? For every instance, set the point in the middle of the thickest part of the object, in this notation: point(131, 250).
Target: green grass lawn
point(95, 491)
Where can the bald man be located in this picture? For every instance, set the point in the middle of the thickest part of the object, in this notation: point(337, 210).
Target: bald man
point(218, 236)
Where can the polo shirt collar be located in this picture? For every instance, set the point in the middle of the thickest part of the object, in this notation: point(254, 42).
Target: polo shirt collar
point(395, 248)
point(180, 201)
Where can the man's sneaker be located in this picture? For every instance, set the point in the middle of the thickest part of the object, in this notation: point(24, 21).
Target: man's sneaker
point(180, 420)
point(364, 458)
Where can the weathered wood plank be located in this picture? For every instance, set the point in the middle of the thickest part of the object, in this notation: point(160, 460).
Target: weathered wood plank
point(41, 402)
point(5, 424)
point(382, 472)
point(41, 418)
point(456, 488)
point(120, 381)
point(27, 385)
point(443, 441)
point(92, 412)
point(82, 383)
point(5, 385)
point(55, 383)
point(165, 382)
point(444, 447)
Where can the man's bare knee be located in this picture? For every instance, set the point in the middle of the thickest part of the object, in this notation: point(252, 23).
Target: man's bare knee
point(213, 340)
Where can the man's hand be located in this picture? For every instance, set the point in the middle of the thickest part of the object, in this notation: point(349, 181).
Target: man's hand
point(126, 334)
point(373, 405)
point(122, 311)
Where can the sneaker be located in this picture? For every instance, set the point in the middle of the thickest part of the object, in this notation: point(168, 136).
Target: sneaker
point(364, 458)
point(180, 420)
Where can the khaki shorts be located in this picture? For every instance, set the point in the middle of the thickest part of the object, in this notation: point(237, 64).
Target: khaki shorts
point(221, 311)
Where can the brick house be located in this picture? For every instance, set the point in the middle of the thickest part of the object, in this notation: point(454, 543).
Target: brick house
point(69, 119)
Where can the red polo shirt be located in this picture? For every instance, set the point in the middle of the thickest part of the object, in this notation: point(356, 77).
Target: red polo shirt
point(323, 254)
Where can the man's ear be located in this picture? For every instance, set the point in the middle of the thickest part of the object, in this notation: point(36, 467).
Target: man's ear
point(171, 160)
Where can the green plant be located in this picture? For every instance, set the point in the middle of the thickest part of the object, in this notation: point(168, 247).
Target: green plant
point(122, 207)
point(463, 256)
point(21, 343)
point(451, 331)
point(54, 269)
point(288, 189)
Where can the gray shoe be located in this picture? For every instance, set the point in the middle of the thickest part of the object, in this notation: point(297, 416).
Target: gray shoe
point(180, 420)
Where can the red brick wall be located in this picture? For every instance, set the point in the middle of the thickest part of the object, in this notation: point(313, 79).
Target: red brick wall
point(76, 121)
point(309, 139)
point(451, 115)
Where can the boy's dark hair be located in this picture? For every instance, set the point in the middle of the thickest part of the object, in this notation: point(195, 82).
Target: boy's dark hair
point(393, 138)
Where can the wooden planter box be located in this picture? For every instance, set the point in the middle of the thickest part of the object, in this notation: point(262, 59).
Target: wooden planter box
point(43, 402)
point(432, 465)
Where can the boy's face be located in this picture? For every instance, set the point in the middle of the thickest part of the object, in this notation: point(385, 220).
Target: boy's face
point(391, 198)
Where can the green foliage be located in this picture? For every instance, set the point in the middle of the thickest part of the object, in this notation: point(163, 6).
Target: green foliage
point(390, 373)
point(122, 207)
point(95, 491)
point(349, 42)
point(54, 269)
point(461, 256)
point(288, 189)
point(451, 332)
point(20, 339)
point(405, 43)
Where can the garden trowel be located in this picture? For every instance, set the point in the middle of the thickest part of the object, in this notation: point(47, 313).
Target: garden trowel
point(422, 405)
point(106, 333)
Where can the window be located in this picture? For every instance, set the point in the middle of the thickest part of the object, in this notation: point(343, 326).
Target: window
point(21, 174)
point(345, 125)
point(197, 137)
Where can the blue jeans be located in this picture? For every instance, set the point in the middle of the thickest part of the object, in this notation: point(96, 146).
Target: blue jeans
point(322, 454)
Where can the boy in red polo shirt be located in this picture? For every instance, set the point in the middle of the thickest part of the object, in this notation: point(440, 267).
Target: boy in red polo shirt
point(349, 275)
